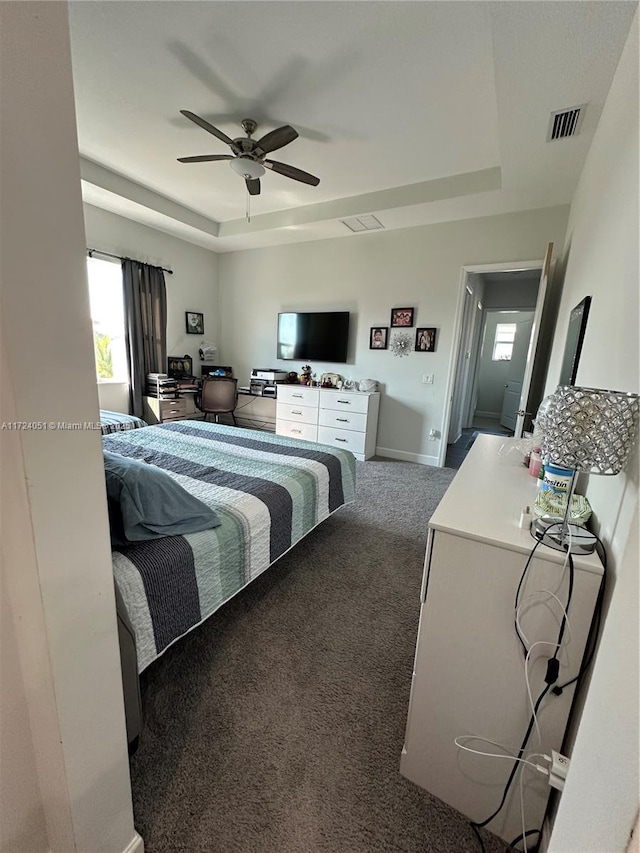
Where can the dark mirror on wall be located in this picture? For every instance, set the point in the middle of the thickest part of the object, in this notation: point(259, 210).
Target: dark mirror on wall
point(573, 345)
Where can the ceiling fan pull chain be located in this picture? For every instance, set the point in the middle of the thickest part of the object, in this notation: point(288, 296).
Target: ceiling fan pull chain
point(248, 211)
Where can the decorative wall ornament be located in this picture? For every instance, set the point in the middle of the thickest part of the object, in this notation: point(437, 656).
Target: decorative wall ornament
point(401, 343)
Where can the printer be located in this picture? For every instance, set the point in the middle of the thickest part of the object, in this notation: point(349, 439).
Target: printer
point(269, 374)
point(264, 380)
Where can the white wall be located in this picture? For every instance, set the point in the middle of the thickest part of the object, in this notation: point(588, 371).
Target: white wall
point(55, 540)
point(368, 275)
point(600, 801)
point(192, 287)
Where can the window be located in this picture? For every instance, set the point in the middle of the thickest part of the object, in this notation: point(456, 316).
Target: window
point(107, 314)
point(503, 342)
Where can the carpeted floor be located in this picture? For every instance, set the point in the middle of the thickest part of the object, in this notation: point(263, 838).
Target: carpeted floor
point(277, 726)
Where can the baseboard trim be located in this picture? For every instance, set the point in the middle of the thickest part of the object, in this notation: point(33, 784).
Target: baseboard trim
point(420, 458)
point(136, 845)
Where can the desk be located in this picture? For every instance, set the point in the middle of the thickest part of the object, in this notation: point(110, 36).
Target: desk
point(255, 412)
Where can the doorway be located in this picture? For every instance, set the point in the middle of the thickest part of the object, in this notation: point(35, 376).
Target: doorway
point(498, 318)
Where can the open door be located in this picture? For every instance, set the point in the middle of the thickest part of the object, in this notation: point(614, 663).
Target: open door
point(513, 386)
point(523, 413)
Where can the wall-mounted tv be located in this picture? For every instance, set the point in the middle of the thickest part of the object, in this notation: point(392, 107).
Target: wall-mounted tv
point(313, 336)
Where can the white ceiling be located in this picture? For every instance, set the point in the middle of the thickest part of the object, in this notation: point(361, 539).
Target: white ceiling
point(417, 112)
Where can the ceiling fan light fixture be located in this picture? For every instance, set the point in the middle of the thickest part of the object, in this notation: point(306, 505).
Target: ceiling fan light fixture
point(247, 167)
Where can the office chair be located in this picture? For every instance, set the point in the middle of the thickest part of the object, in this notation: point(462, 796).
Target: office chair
point(218, 397)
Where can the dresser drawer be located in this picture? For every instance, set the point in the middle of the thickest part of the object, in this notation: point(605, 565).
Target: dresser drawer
point(294, 412)
point(309, 432)
point(173, 409)
point(344, 402)
point(356, 421)
point(300, 394)
point(345, 438)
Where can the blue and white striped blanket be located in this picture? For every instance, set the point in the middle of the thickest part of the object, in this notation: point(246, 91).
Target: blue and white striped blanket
point(268, 491)
point(117, 421)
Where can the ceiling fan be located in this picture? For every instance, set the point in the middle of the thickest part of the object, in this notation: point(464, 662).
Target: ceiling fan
point(248, 158)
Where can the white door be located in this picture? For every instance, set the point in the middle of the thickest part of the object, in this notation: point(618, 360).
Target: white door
point(517, 365)
point(522, 411)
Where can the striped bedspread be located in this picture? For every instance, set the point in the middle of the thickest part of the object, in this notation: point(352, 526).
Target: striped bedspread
point(117, 421)
point(268, 491)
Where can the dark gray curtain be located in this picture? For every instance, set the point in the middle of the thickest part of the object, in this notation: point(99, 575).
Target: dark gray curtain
point(145, 308)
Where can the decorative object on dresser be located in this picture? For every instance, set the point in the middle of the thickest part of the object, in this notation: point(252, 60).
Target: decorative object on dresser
point(401, 343)
point(425, 340)
point(379, 337)
point(347, 419)
point(194, 322)
point(480, 658)
point(401, 317)
point(588, 430)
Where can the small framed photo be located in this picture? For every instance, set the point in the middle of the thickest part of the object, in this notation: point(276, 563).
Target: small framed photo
point(401, 317)
point(425, 340)
point(195, 323)
point(379, 337)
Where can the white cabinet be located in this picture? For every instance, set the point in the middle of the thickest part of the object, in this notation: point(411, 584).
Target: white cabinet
point(347, 419)
point(468, 676)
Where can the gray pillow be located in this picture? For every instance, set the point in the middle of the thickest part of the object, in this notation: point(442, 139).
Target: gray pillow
point(146, 503)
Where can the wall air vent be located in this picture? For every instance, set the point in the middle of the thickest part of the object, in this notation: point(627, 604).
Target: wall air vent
point(565, 123)
point(363, 223)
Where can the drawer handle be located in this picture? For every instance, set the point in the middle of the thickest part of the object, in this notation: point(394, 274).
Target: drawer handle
point(341, 439)
point(297, 395)
point(345, 402)
point(296, 430)
point(293, 412)
point(343, 420)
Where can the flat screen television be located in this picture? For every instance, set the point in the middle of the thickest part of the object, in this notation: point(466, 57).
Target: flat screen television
point(313, 336)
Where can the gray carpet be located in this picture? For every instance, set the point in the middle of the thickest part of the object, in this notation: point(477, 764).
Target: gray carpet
point(277, 726)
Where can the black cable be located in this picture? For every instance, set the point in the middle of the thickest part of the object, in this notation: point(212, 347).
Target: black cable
point(522, 836)
point(549, 680)
point(597, 620)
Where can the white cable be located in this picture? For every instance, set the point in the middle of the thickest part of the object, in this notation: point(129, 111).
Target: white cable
point(494, 754)
point(521, 784)
point(533, 595)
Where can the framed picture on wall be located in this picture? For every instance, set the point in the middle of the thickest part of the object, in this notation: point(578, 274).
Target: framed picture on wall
point(401, 317)
point(195, 323)
point(379, 337)
point(425, 340)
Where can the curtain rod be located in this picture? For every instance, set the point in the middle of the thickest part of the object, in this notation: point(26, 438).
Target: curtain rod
point(92, 252)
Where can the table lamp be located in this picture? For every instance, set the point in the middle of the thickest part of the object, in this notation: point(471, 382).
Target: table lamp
point(587, 430)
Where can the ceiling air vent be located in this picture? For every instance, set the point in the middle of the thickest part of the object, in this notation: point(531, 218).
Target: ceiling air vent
point(565, 123)
point(363, 223)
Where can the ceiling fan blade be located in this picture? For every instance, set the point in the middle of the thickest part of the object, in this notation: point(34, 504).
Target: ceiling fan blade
point(253, 185)
point(291, 172)
point(205, 125)
point(277, 138)
point(205, 158)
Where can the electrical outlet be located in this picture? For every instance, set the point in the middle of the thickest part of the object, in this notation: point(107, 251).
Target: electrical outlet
point(427, 378)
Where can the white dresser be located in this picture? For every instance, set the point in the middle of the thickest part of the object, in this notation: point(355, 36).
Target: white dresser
point(468, 675)
point(346, 419)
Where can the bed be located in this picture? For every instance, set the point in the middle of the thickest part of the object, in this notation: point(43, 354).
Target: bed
point(268, 492)
point(117, 422)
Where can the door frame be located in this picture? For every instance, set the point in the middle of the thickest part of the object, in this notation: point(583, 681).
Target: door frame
point(510, 266)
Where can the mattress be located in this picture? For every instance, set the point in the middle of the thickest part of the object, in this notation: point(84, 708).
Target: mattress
point(268, 491)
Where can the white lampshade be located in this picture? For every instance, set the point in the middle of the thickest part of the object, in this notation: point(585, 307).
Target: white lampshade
point(247, 167)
